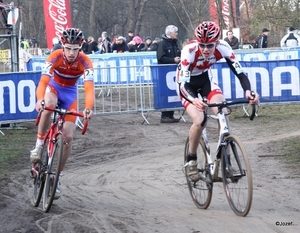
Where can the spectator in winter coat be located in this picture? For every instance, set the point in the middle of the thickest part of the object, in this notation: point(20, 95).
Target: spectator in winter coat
point(120, 46)
point(262, 40)
point(136, 45)
point(106, 43)
point(154, 45)
point(291, 39)
point(129, 37)
point(168, 52)
point(56, 44)
point(92, 45)
point(232, 40)
point(148, 42)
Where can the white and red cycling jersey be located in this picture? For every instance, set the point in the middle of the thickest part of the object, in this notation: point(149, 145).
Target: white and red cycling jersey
point(193, 74)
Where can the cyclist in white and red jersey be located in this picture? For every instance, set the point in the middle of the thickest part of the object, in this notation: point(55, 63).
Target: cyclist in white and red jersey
point(194, 76)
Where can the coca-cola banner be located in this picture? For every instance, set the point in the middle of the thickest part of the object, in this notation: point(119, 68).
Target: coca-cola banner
point(57, 18)
point(226, 12)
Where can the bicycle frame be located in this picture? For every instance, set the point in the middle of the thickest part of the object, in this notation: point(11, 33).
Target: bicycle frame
point(230, 156)
point(213, 163)
point(54, 130)
point(224, 130)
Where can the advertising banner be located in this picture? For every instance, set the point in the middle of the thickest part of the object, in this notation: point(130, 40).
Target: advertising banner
point(164, 87)
point(57, 15)
point(113, 69)
point(275, 81)
point(17, 96)
point(228, 12)
point(273, 74)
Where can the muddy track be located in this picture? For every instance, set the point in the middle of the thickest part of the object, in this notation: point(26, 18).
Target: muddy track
point(127, 177)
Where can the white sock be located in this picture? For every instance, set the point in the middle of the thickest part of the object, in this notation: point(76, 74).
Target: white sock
point(39, 142)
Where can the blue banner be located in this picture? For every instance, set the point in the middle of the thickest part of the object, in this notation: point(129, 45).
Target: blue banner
point(275, 81)
point(164, 87)
point(17, 96)
point(113, 69)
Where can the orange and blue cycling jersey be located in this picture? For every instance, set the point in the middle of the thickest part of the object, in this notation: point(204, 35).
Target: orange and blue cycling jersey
point(60, 78)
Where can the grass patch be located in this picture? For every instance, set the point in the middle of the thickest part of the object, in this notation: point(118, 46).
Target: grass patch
point(290, 147)
point(276, 120)
point(15, 144)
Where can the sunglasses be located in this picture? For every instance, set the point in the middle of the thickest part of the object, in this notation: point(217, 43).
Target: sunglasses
point(72, 49)
point(209, 46)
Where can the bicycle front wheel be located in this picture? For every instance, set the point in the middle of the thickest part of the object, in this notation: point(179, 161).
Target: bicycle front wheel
point(53, 172)
point(201, 191)
point(39, 180)
point(237, 176)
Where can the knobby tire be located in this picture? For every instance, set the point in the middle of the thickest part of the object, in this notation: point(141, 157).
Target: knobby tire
point(237, 182)
point(53, 172)
point(39, 180)
point(200, 191)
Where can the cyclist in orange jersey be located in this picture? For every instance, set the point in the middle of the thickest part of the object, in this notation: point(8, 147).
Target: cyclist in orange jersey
point(58, 83)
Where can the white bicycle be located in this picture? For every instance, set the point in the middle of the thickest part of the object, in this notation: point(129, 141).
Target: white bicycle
point(235, 167)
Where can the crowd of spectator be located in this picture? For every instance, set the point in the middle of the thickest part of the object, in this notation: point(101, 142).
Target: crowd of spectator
point(119, 44)
point(29, 43)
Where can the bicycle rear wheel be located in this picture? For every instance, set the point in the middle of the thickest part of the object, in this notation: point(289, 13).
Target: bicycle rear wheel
point(53, 172)
point(237, 176)
point(201, 191)
point(39, 180)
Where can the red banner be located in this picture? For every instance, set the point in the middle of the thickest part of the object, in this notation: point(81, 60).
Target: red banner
point(226, 12)
point(57, 18)
point(213, 11)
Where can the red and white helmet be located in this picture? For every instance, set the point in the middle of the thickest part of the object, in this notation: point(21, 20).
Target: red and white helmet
point(72, 36)
point(207, 32)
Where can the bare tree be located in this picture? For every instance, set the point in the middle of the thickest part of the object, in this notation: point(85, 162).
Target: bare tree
point(92, 16)
point(190, 15)
point(146, 17)
point(136, 13)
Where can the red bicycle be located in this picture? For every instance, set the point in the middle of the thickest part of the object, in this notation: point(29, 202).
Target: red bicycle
point(46, 172)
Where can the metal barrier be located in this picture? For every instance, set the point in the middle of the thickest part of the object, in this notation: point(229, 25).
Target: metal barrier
point(124, 89)
point(128, 86)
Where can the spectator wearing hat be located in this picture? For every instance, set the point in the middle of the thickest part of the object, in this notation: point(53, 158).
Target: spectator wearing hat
point(136, 45)
point(154, 45)
point(291, 39)
point(120, 45)
point(148, 42)
point(56, 44)
point(262, 40)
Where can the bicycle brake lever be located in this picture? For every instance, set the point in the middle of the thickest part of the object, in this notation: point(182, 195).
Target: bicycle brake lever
point(253, 107)
point(253, 112)
point(86, 122)
point(87, 112)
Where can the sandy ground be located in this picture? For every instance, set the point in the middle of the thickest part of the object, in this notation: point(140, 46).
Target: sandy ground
point(127, 177)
